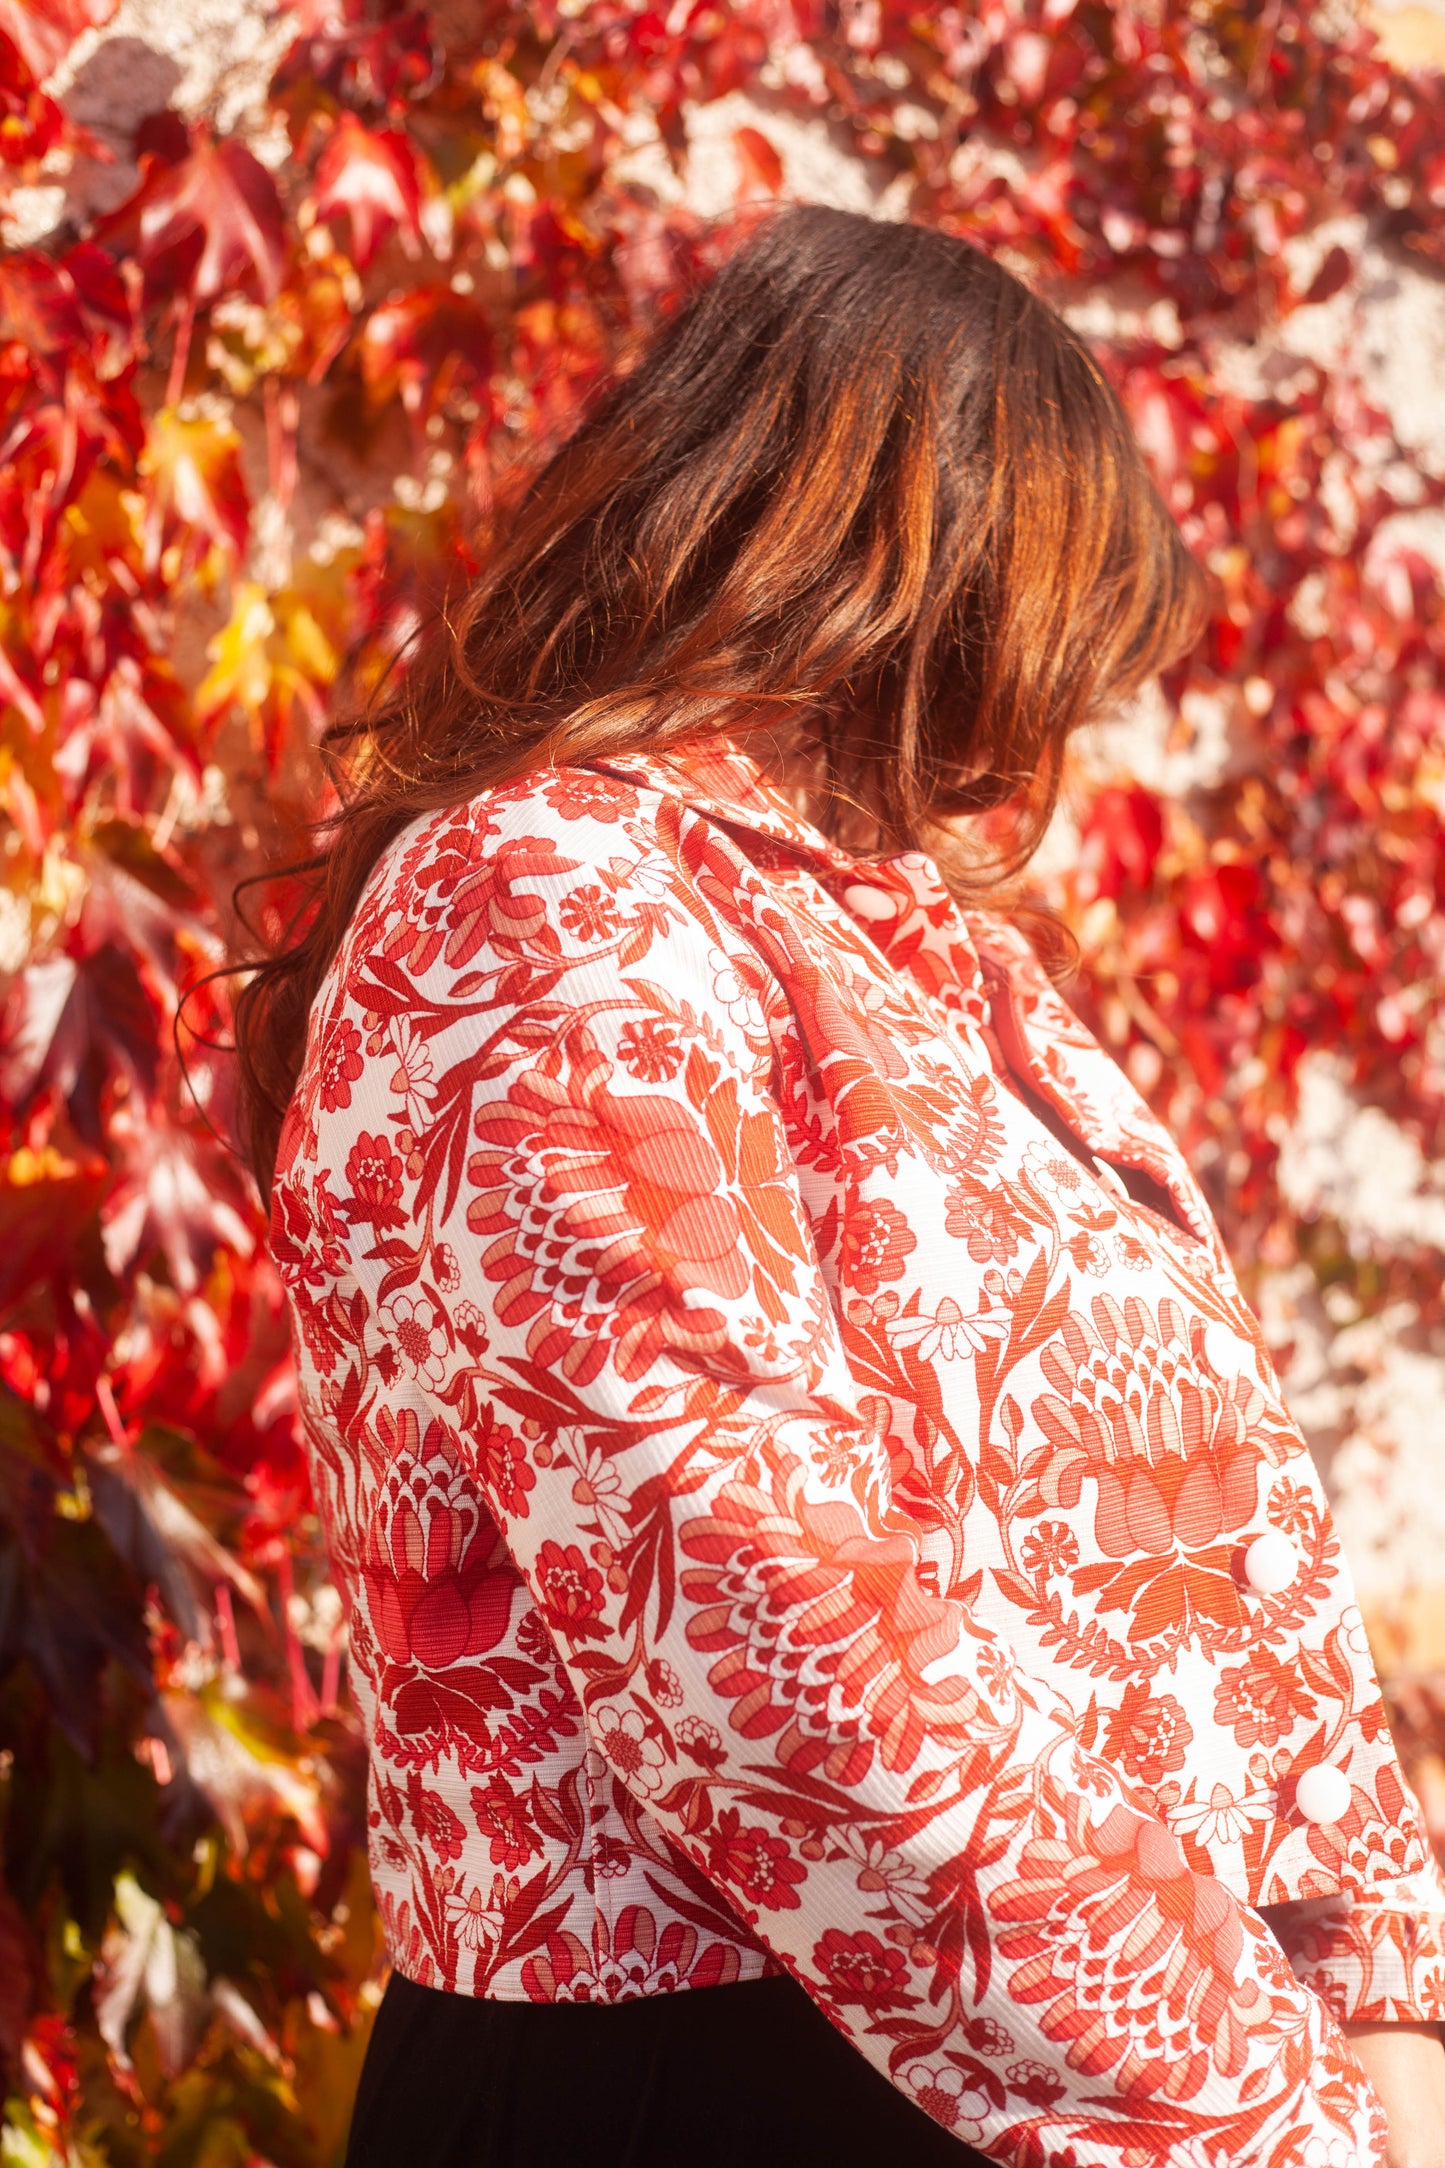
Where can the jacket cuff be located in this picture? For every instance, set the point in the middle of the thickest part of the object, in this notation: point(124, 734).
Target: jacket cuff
point(1378, 1955)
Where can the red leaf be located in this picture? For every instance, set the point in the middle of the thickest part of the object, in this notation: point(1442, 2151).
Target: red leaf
point(46, 1205)
point(103, 298)
point(31, 124)
point(210, 225)
point(21, 1966)
point(418, 345)
point(374, 176)
point(1332, 274)
point(1217, 908)
point(1122, 836)
point(376, 64)
point(38, 307)
point(168, 1200)
point(74, 1023)
point(43, 35)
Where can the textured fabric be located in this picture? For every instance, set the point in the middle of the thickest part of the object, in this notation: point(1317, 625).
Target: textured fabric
point(1374, 1955)
point(790, 1499)
point(748, 2077)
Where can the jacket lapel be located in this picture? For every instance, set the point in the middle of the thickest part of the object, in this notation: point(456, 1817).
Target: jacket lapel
point(1049, 1045)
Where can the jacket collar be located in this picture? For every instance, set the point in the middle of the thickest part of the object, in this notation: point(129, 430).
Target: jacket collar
point(979, 965)
point(901, 902)
point(720, 778)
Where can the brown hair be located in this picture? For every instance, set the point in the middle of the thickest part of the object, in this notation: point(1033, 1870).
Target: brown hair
point(863, 484)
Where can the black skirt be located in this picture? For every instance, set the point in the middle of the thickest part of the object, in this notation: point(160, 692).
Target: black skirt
point(744, 2076)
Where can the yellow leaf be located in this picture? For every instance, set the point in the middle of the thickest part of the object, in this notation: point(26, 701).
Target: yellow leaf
point(192, 463)
point(240, 672)
point(310, 649)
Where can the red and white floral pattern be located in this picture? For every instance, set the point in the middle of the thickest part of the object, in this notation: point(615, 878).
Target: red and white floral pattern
point(790, 1502)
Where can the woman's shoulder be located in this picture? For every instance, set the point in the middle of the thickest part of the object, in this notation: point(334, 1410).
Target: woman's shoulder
point(546, 821)
point(558, 870)
point(568, 803)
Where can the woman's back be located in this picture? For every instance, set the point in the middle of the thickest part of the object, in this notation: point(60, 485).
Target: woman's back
point(752, 1442)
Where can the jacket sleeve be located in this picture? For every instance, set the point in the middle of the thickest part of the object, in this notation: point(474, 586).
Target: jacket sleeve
point(613, 1258)
point(1378, 1956)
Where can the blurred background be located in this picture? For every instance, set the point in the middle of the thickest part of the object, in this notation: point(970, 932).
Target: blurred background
point(285, 296)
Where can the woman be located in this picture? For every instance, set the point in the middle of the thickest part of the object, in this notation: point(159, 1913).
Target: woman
point(832, 1580)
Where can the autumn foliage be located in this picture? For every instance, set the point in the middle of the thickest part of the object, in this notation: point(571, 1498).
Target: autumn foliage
point(248, 422)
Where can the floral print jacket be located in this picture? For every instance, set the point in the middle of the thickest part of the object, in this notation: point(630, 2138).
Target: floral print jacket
point(795, 1455)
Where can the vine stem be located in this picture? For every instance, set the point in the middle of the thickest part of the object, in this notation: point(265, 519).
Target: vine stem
point(303, 1694)
point(226, 1627)
point(331, 1672)
point(181, 351)
point(282, 415)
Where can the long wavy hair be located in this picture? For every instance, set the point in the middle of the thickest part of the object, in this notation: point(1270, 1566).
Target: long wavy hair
point(863, 492)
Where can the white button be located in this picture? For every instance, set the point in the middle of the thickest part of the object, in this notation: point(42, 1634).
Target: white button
point(1323, 1794)
point(1112, 1179)
point(872, 903)
point(1270, 1563)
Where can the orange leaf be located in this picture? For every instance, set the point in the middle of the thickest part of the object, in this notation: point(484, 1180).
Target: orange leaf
point(762, 167)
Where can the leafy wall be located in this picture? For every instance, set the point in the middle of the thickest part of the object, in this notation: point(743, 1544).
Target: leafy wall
point(265, 356)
